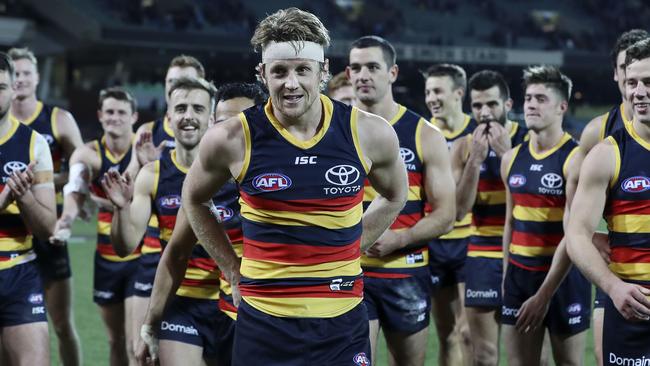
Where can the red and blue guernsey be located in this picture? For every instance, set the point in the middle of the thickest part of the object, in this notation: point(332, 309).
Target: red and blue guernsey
point(201, 279)
point(627, 209)
point(489, 210)
point(43, 121)
point(537, 185)
point(613, 121)
point(408, 126)
point(301, 208)
point(16, 151)
point(105, 216)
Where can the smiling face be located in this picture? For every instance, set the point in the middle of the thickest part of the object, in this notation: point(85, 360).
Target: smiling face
point(441, 97)
point(116, 117)
point(26, 79)
point(543, 107)
point(189, 116)
point(294, 86)
point(637, 89)
point(371, 78)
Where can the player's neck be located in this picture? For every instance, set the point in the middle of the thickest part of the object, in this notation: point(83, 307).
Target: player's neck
point(628, 111)
point(641, 129)
point(118, 145)
point(547, 138)
point(453, 122)
point(23, 108)
point(386, 108)
point(184, 156)
point(5, 126)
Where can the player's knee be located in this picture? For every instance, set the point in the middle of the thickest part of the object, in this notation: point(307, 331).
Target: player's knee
point(485, 354)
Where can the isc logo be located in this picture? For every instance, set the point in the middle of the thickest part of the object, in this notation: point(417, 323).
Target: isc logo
point(271, 182)
point(517, 180)
point(171, 202)
point(636, 184)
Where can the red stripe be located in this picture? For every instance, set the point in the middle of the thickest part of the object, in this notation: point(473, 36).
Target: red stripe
point(490, 185)
point(226, 306)
point(538, 200)
point(206, 264)
point(630, 255)
point(385, 275)
point(621, 207)
point(536, 240)
point(97, 190)
point(151, 242)
point(105, 216)
point(13, 232)
point(484, 248)
point(479, 221)
point(166, 221)
point(415, 179)
point(529, 268)
point(236, 236)
point(325, 204)
point(406, 221)
point(300, 254)
point(107, 249)
point(199, 283)
point(301, 291)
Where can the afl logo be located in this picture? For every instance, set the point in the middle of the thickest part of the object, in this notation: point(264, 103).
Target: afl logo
point(552, 180)
point(574, 309)
point(223, 213)
point(406, 154)
point(14, 166)
point(360, 359)
point(517, 180)
point(271, 182)
point(636, 184)
point(171, 202)
point(342, 175)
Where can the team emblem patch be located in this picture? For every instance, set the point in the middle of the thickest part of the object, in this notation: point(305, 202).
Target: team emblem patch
point(171, 202)
point(636, 184)
point(517, 180)
point(271, 182)
point(35, 299)
point(360, 359)
point(223, 213)
point(574, 309)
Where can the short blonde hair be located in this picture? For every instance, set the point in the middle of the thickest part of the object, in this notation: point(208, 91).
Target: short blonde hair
point(22, 54)
point(183, 61)
point(290, 25)
point(338, 81)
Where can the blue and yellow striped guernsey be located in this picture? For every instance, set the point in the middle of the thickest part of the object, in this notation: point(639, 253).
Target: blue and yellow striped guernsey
point(612, 121)
point(627, 209)
point(301, 207)
point(16, 151)
point(537, 183)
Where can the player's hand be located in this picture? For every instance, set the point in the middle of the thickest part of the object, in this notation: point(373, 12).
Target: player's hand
point(601, 242)
point(118, 188)
point(531, 313)
point(147, 352)
point(20, 183)
point(145, 150)
point(387, 243)
point(61, 232)
point(499, 139)
point(5, 197)
point(631, 300)
point(480, 146)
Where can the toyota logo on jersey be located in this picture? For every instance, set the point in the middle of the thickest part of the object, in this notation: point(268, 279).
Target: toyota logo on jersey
point(342, 175)
point(552, 180)
point(14, 166)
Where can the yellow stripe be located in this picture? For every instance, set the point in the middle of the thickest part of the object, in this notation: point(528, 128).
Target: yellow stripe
point(354, 126)
point(630, 128)
point(485, 254)
point(532, 251)
point(232, 315)
point(538, 214)
point(617, 161)
point(109, 155)
point(178, 165)
point(414, 194)
point(12, 209)
point(449, 135)
point(247, 148)
point(512, 159)
point(117, 258)
point(201, 274)
point(491, 197)
point(149, 250)
point(156, 179)
point(369, 193)
point(32, 146)
point(418, 138)
point(325, 219)
point(12, 130)
point(303, 307)
point(621, 109)
point(568, 159)
point(631, 224)
point(165, 234)
point(166, 127)
point(487, 230)
point(400, 112)
point(24, 258)
point(103, 228)
point(29, 120)
point(543, 155)
point(257, 269)
point(239, 249)
point(210, 292)
point(631, 271)
point(16, 244)
point(302, 144)
point(603, 124)
point(153, 221)
point(394, 261)
point(54, 122)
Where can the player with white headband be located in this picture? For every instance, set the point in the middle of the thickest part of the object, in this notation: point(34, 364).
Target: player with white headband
point(301, 161)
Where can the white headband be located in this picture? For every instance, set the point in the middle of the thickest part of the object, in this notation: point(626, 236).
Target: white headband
point(287, 51)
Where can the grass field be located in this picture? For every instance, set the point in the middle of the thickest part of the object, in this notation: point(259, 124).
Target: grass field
point(91, 329)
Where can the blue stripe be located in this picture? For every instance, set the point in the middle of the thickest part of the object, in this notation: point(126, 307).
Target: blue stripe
point(303, 235)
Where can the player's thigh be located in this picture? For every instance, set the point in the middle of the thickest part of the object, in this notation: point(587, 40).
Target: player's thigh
point(58, 298)
point(113, 316)
point(178, 353)
point(568, 350)
point(407, 349)
point(523, 349)
point(26, 344)
point(446, 308)
point(373, 330)
point(598, 315)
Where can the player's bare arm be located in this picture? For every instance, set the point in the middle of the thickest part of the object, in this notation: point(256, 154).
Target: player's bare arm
point(387, 176)
point(70, 139)
point(591, 134)
point(131, 207)
point(533, 310)
point(470, 151)
point(221, 156)
point(595, 175)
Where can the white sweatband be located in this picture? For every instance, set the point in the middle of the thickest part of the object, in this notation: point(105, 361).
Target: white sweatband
point(293, 50)
point(76, 181)
point(149, 337)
